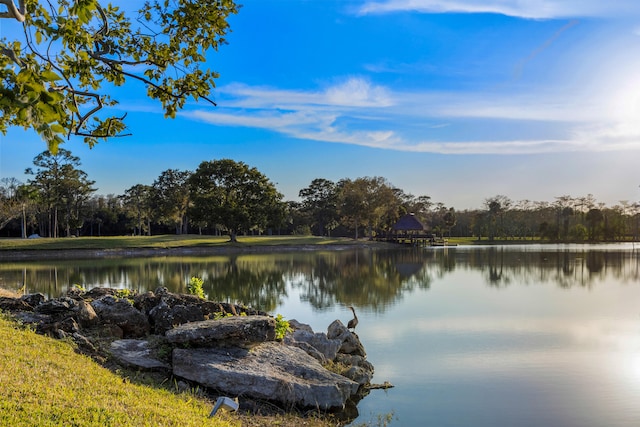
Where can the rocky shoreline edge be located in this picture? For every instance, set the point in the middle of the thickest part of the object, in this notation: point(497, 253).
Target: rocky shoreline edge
point(227, 350)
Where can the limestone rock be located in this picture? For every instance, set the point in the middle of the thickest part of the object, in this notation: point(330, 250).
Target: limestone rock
point(31, 318)
point(58, 329)
point(295, 325)
point(307, 348)
point(164, 317)
point(83, 343)
point(167, 310)
point(14, 304)
point(94, 293)
point(56, 307)
point(33, 300)
point(350, 342)
point(137, 354)
point(85, 314)
point(75, 292)
point(360, 371)
point(319, 341)
point(270, 371)
point(244, 330)
point(120, 312)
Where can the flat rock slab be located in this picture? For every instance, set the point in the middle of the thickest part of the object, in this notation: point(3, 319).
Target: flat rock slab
point(137, 354)
point(271, 371)
point(234, 329)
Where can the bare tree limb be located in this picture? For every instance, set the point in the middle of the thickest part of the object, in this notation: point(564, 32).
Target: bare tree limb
point(11, 55)
point(13, 11)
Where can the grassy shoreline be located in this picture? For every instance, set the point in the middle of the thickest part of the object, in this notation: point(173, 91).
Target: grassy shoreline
point(45, 382)
point(166, 242)
point(167, 245)
point(212, 243)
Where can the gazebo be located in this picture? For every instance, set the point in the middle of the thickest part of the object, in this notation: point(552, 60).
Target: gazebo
point(409, 229)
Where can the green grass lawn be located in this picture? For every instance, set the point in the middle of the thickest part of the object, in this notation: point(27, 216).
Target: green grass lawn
point(197, 241)
point(45, 383)
point(163, 241)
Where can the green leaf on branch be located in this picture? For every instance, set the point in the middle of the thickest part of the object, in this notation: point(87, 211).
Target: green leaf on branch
point(50, 76)
point(90, 45)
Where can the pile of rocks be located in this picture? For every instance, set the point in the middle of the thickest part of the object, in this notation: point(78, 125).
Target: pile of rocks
point(227, 348)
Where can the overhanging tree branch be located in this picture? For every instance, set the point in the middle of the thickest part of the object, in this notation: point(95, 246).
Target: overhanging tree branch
point(18, 13)
point(75, 49)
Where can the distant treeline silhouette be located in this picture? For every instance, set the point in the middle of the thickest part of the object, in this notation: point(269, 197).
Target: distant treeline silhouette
point(229, 197)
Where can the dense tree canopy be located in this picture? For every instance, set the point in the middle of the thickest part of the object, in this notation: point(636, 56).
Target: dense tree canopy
point(320, 202)
point(139, 200)
point(54, 78)
point(368, 201)
point(225, 196)
point(62, 191)
point(170, 194)
point(233, 195)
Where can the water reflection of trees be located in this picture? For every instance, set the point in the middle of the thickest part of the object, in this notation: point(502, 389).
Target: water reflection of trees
point(373, 279)
point(365, 278)
point(503, 266)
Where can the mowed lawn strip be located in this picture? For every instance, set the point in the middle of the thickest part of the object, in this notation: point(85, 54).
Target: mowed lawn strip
point(163, 241)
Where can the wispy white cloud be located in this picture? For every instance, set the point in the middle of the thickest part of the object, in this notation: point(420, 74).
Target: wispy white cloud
point(351, 92)
point(358, 93)
point(357, 112)
point(403, 67)
point(530, 9)
point(263, 119)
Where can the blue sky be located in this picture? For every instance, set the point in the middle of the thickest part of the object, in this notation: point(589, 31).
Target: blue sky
point(460, 100)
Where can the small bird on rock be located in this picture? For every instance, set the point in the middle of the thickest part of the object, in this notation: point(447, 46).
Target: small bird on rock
point(353, 322)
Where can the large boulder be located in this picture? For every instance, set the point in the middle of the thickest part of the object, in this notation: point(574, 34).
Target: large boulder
point(167, 310)
point(14, 304)
point(120, 312)
point(314, 343)
point(57, 307)
point(270, 371)
point(164, 317)
point(238, 330)
point(350, 342)
point(85, 314)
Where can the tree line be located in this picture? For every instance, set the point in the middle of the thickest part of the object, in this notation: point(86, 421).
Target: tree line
point(231, 198)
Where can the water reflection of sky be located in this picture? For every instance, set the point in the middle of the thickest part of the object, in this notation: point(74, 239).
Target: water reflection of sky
point(463, 354)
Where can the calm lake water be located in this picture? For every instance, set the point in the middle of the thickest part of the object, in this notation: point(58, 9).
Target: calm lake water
point(470, 336)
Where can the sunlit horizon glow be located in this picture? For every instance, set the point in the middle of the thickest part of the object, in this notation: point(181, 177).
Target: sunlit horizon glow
point(531, 99)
